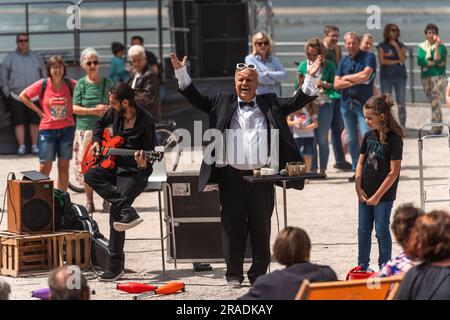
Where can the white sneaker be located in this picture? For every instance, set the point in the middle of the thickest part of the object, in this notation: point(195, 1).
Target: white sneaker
point(22, 150)
point(34, 149)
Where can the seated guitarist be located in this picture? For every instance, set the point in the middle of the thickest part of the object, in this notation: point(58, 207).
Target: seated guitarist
point(122, 184)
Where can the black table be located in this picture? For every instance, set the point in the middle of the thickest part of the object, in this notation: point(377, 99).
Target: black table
point(284, 180)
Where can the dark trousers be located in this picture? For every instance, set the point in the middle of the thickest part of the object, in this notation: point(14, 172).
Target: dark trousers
point(337, 126)
point(120, 189)
point(246, 208)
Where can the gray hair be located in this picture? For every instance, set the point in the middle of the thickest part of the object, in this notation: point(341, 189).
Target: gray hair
point(351, 34)
point(136, 50)
point(5, 290)
point(86, 53)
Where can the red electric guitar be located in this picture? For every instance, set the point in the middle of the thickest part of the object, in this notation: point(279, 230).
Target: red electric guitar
point(108, 152)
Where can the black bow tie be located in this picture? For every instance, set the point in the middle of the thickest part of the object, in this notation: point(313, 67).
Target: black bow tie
point(243, 104)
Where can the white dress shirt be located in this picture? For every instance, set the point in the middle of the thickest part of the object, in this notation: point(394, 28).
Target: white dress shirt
point(246, 139)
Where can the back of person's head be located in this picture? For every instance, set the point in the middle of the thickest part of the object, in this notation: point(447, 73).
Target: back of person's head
point(403, 222)
point(117, 47)
point(382, 105)
point(430, 237)
point(68, 283)
point(5, 290)
point(292, 246)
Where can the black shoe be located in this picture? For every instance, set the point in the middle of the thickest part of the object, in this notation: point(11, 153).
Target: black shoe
point(199, 267)
point(346, 166)
point(111, 275)
point(128, 221)
point(351, 179)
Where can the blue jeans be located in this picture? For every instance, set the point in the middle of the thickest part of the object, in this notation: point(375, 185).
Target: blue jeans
point(305, 145)
point(337, 126)
point(367, 215)
point(324, 117)
point(353, 116)
point(54, 142)
point(399, 85)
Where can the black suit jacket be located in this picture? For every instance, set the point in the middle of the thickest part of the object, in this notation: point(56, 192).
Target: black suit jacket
point(221, 108)
point(284, 284)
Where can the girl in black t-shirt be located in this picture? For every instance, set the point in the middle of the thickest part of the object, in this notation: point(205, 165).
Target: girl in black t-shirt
point(377, 175)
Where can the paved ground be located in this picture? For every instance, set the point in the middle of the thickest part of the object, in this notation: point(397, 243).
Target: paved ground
point(327, 210)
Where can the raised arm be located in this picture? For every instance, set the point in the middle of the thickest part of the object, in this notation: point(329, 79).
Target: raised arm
point(186, 86)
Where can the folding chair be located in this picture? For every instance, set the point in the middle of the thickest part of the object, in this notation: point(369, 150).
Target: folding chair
point(367, 289)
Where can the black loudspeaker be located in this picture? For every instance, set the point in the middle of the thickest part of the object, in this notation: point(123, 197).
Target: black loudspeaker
point(217, 37)
point(197, 232)
point(30, 206)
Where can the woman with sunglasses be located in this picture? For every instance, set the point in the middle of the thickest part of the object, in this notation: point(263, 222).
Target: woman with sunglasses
point(392, 56)
point(324, 103)
point(90, 102)
point(270, 70)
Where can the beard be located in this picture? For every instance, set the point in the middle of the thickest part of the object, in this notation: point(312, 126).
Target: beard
point(121, 110)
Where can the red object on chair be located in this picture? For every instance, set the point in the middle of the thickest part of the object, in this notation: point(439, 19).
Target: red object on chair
point(357, 274)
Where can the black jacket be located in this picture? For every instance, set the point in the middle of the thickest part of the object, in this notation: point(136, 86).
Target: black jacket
point(284, 284)
point(147, 87)
point(140, 137)
point(221, 108)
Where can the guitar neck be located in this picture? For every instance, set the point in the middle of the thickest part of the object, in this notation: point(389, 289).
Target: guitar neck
point(152, 156)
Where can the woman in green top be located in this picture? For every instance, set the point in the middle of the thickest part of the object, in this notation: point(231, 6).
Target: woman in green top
point(324, 103)
point(90, 102)
point(432, 59)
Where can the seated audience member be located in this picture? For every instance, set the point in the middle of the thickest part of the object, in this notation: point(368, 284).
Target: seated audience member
point(292, 249)
point(5, 290)
point(68, 283)
point(404, 219)
point(430, 243)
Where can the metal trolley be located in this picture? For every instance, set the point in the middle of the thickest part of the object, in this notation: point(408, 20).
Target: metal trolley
point(422, 138)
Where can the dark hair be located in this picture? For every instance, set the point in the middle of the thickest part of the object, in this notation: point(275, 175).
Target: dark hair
point(404, 219)
point(22, 34)
point(328, 28)
point(383, 105)
point(58, 285)
point(431, 26)
point(387, 29)
point(55, 60)
point(430, 237)
point(318, 45)
point(116, 47)
point(292, 246)
point(137, 38)
point(123, 91)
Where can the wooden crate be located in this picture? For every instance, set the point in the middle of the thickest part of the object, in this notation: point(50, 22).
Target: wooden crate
point(26, 254)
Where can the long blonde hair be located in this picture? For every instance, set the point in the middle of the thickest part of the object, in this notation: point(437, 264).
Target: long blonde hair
point(260, 36)
point(383, 105)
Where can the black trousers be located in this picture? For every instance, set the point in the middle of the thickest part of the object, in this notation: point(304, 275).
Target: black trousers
point(246, 209)
point(120, 189)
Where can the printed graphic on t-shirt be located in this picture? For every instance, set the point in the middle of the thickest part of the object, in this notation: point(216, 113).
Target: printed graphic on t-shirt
point(58, 108)
point(373, 153)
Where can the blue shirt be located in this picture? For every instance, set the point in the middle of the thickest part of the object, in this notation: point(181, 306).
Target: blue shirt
point(352, 65)
point(270, 73)
point(117, 71)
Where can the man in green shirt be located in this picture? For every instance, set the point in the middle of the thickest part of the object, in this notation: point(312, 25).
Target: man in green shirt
point(432, 59)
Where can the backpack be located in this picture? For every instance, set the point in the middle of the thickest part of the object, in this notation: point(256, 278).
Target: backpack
point(44, 86)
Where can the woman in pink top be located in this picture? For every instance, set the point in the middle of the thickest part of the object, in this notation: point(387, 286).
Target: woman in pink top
point(57, 127)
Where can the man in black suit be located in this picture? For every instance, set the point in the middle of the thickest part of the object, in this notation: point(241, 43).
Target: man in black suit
point(246, 208)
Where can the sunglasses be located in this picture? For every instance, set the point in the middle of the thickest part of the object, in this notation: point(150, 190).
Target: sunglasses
point(22, 40)
point(394, 30)
point(242, 66)
point(260, 43)
point(90, 63)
